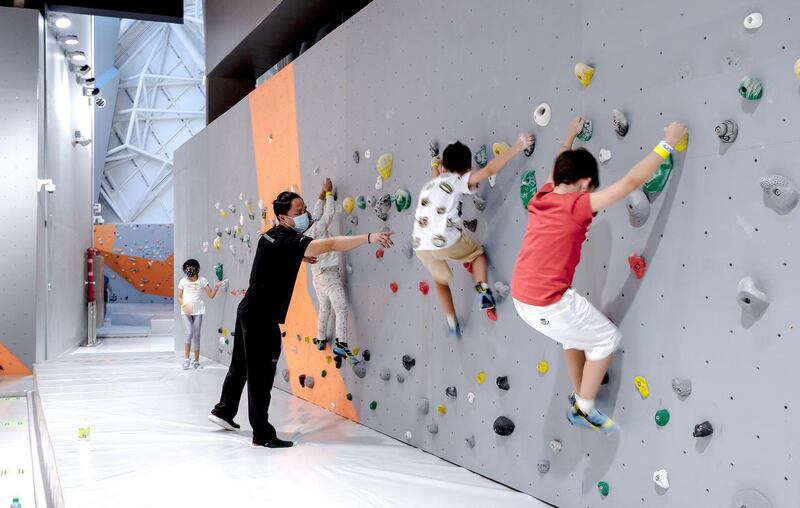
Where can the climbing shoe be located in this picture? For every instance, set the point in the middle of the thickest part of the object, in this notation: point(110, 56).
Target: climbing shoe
point(320, 343)
point(340, 349)
point(485, 297)
point(595, 420)
point(453, 330)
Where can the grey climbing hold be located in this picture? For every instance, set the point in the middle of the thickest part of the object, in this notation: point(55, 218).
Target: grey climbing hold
point(365, 355)
point(471, 225)
point(638, 208)
point(543, 466)
point(781, 193)
point(703, 429)
point(470, 440)
point(356, 157)
point(433, 148)
point(682, 386)
point(360, 369)
point(385, 374)
point(408, 362)
point(479, 202)
point(285, 375)
point(371, 201)
point(423, 405)
point(451, 392)
point(433, 428)
point(382, 206)
point(501, 290)
point(750, 498)
point(354, 220)
point(503, 426)
point(750, 298)
point(727, 131)
point(502, 382)
point(408, 250)
point(309, 382)
point(620, 123)
point(400, 378)
point(555, 445)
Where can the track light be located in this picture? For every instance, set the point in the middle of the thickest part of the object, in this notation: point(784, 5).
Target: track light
point(60, 21)
point(80, 70)
point(84, 81)
point(76, 56)
point(68, 40)
point(90, 91)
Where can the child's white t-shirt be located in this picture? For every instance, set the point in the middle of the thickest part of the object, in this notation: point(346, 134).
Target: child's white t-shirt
point(193, 295)
point(437, 223)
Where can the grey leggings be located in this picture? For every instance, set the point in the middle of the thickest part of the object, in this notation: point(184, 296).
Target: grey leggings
point(191, 325)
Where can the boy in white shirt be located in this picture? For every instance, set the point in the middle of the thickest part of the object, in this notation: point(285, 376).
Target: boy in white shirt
point(190, 291)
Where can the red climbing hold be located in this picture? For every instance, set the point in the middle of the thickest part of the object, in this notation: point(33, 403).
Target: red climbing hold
point(468, 267)
point(424, 288)
point(492, 314)
point(638, 266)
point(393, 287)
point(379, 253)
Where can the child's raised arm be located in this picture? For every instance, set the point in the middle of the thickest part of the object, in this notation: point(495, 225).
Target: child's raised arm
point(574, 128)
point(495, 165)
point(324, 210)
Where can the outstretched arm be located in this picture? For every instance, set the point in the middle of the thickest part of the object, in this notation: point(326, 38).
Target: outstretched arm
point(638, 175)
point(346, 243)
point(574, 128)
point(496, 164)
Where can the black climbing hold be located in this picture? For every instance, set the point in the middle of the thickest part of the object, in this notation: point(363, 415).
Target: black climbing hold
point(451, 392)
point(605, 379)
point(408, 362)
point(338, 361)
point(470, 440)
point(356, 157)
point(530, 148)
point(503, 426)
point(472, 225)
point(302, 379)
point(433, 147)
point(365, 355)
point(502, 382)
point(703, 429)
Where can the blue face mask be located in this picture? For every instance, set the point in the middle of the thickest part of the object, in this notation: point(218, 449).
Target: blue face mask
point(301, 223)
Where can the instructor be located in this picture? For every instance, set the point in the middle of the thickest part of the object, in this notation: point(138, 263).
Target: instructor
point(257, 338)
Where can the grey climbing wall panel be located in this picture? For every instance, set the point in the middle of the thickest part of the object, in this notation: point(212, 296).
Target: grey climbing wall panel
point(399, 74)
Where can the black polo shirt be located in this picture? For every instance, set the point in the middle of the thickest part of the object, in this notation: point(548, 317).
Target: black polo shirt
point(278, 256)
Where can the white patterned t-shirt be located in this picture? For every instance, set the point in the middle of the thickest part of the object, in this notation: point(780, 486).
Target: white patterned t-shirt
point(437, 221)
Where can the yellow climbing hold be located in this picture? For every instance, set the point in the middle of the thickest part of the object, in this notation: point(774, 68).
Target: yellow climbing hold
point(683, 143)
point(542, 367)
point(385, 165)
point(641, 385)
point(797, 69)
point(218, 243)
point(356, 351)
point(223, 213)
point(480, 377)
point(308, 339)
point(584, 73)
point(329, 359)
point(499, 148)
point(348, 204)
point(441, 409)
point(226, 332)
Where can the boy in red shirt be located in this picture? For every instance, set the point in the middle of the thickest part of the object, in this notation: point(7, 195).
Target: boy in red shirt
point(559, 216)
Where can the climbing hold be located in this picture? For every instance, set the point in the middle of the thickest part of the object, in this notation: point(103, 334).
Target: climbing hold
point(218, 270)
point(402, 199)
point(451, 392)
point(703, 429)
point(223, 213)
point(584, 73)
point(285, 374)
point(348, 204)
point(349, 396)
point(555, 445)
point(659, 180)
point(727, 131)
point(638, 265)
point(356, 350)
point(433, 428)
point(217, 243)
point(385, 374)
point(620, 123)
point(603, 488)
point(543, 466)
point(541, 115)
point(408, 250)
point(481, 156)
point(433, 148)
point(528, 151)
point(682, 387)
point(382, 206)
point(393, 286)
point(379, 253)
point(780, 192)
point(371, 201)
point(349, 268)
point(751, 88)
point(503, 426)
point(424, 288)
point(750, 298)
point(753, 21)
point(502, 382)
point(361, 202)
point(470, 440)
point(604, 155)
point(360, 369)
point(367, 154)
point(499, 148)
point(379, 183)
point(641, 385)
point(750, 498)
point(356, 157)
point(638, 208)
point(662, 417)
point(797, 69)
point(480, 377)
point(492, 180)
point(302, 379)
point(408, 435)
point(683, 143)
point(365, 355)
point(471, 397)
point(408, 362)
point(586, 131)
point(384, 166)
point(468, 267)
point(527, 187)
point(354, 220)
point(479, 202)
point(324, 373)
point(661, 478)
point(471, 225)
point(542, 367)
point(423, 405)
point(373, 405)
point(309, 382)
point(441, 409)
point(400, 378)
point(333, 406)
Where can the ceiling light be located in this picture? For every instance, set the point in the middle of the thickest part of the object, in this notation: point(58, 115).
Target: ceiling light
point(76, 56)
point(90, 91)
point(79, 69)
point(62, 21)
point(68, 40)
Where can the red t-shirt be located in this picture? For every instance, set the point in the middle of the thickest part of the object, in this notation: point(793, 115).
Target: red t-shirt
point(551, 247)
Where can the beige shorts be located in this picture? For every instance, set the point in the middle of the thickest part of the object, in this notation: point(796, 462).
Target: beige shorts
point(465, 250)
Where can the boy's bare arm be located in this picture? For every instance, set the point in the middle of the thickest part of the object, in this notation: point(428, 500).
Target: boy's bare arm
point(497, 164)
point(574, 128)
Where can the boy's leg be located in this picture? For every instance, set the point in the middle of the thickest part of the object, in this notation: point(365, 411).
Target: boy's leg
point(575, 360)
point(440, 270)
point(480, 269)
point(593, 373)
point(446, 298)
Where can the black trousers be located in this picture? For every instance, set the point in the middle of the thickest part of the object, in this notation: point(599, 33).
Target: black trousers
point(256, 349)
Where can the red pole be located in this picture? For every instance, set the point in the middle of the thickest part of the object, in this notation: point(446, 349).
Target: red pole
point(90, 254)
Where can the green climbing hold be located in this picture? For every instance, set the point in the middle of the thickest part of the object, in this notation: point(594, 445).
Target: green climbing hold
point(586, 131)
point(361, 202)
point(528, 187)
point(481, 156)
point(603, 488)
point(662, 417)
point(218, 271)
point(402, 199)
point(751, 88)
point(349, 396)
point(324, 373)
point(373, 405)
point(659, 180)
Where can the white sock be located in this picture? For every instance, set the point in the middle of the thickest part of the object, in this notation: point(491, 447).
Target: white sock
point(452, 321)
point(584, 405)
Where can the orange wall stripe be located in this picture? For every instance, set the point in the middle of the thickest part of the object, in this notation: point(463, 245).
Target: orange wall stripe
point(10, 365)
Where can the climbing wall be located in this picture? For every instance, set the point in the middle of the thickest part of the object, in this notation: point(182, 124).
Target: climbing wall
point(398, 76)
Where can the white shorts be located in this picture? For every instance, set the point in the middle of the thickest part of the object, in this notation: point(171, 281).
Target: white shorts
point(574, 323)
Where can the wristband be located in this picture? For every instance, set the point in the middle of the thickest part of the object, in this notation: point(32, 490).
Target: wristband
point(663, 149)
point(368, 240)
point(328, 193)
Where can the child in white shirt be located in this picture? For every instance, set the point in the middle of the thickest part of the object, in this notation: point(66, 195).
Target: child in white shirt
point(190, 290)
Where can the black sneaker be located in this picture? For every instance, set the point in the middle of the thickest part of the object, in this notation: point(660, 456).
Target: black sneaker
point(272, 443)
point(225, 423)
point(485, 297)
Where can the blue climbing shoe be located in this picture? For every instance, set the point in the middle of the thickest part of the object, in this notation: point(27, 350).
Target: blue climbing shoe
point(340, 349)
point(595, 420)
point(485, 297)
point(321, 343)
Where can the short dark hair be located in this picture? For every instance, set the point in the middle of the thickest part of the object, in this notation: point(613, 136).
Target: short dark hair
point(572, 165)
point(283, 203)
point(457, 157)
point(191, 263)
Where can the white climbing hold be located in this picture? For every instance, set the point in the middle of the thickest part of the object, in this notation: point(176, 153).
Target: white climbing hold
point(541, 115)
point(367, 153)
point(753, 21)
point(780, 192)
point(216, 205)
point(333, 405)
point(750, 298)
point(661, 478)
point(408, 435)
point(492, 179)
point(605, 155)
point(349, 268)
point(555, 445)
point(471, 397)
point(316, 171)
point(379, 183)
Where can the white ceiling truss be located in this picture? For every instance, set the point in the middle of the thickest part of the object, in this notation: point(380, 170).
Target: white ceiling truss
point(160, 104)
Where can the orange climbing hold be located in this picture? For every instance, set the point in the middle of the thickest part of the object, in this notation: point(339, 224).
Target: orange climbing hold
point(491, 314)
point(638, 265)
point(424, 288)
point(468, 267)
point(393, 286)
point(379, 253)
